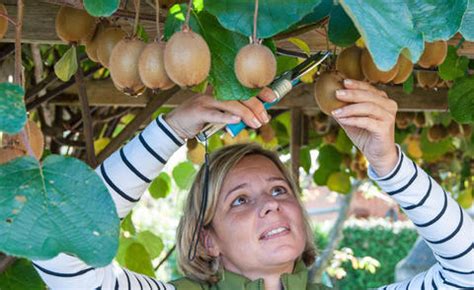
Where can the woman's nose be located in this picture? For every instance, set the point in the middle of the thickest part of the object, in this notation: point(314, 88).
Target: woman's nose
point(269, 204)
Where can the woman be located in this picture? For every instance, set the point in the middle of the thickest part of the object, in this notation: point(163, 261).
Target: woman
point(255, 234)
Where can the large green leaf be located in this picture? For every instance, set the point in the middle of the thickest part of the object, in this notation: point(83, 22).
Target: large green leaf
point(305, 158)
point(59, 206)
point(467, 25)
point(341, 30)
point(437, 19)
point(386, 27)
point(461, 100)
point(343, 142)
point(183, 174)
point(21, 275)
point(434, 150)
point(329, 157)
point(152, 243)
point(138, 259)
point(12, 108)
point(274, 16)
point(454, 66)
point(66, 67)
point(161, 186)
point(101, 8)
point(319, 12)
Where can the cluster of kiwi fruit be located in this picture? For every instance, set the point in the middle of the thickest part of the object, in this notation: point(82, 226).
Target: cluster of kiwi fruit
point(134, 65)
point(439, 132)
point(433, 55)
point(13, 146)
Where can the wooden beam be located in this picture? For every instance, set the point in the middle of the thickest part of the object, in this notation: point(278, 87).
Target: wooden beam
point(103, 93)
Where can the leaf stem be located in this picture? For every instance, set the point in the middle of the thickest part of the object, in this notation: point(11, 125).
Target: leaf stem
point(255, 14)
point(168, 254)
point(137, 17)
point(188, 15)
point(158, 32)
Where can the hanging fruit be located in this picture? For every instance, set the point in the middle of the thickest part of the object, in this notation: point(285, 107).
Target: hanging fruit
point(348, 63)
point(74, 25)
point(324, 93)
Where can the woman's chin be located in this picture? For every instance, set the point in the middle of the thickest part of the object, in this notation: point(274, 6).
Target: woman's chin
point(281, 254)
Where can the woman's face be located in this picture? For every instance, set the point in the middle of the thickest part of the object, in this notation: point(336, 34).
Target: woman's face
point(258, 225)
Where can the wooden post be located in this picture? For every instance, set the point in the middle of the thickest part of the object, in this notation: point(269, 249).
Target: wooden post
point(295, 141)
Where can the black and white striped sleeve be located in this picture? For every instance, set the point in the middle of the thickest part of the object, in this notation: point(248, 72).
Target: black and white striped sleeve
point(126, 174)
point(443, 224)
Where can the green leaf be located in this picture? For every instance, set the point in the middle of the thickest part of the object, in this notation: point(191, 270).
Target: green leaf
point(409, 84)
point(321, 175)
point(175, 19)
point(305, 158)
point(122, 249)
point(21, 275)
point(341, 30)
point(59, 206)
point(285, 63)
point(454, 66)
point(214, 143)
point(152, 243)
point(434, 150)
point(12, 108)
point(386, 27)
point(161, 186)
point(137, 259)
point(319, 12)
point(142, 34)
point(127, 224)
point(329, 157)
point(300, 44)
point(224, 46)
point(101, 8)
point(468, 22)
point(461, 100)
point(343, 143)
point(66, 67)
point(339, 182)
point(183, 174)
point(438, 19)
point(274, 16)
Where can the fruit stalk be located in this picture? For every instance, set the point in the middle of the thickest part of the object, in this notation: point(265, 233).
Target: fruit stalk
point(188, 15)
point(137, 16)
point(158, 32)
point(255, 15)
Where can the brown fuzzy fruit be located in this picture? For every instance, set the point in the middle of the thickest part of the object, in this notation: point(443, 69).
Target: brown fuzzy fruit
point(372, 73)
point(324, 92)
point(35, 138)
point(427, 79)
point(187, 58)
point(123, 66)
point(151, 67)
point(107, 40)
point(420, 120)
point(3, 21)
point(8, 154)
point(405, 68)
point(348, 63)
point(91, 45)
point(267, 133)
point(434, 54)
point(74, 25)
point(437, 133)
point(255, 66)
point(467, 130)
point(402, 120)
point(454, 129)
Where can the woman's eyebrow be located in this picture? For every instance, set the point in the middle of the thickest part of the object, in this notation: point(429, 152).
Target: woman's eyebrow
point(242, 185)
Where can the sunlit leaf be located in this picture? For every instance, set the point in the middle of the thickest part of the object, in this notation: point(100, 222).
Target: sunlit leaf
point(183, 174)
point(151, 242)
point(339, 182)
point(161, 186)
point(138, 259)
point(461, 100)
point(67, 66)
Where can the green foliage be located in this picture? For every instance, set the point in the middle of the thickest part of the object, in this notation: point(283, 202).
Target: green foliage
point(434, 150)
point(67, 66)
point(339, 182)
point(12, 108)
point(305, 158)
point(137, 259)
point(274, 16)
point(461, 100)
point(409, 85)
point(21, 275)
point(343, 143)
point(101, 8)
point(329, 160)
point(161, 186)
point(183, 174)
point(454, 66)
point(42, 203)
point(341, 30)
point(152, 243)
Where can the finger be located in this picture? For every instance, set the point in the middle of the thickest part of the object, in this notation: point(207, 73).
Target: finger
point(256, 106)
point(216, 116)
point(366, 123)
point(360, 85)
point(360, 96)
point(238, 109)
point(267, 95)
point(364, 109)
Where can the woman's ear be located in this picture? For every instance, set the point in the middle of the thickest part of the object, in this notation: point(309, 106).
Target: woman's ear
point(209, 242)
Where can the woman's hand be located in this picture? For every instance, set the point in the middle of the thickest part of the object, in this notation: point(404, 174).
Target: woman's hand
point(369, 121)
point(191, 116)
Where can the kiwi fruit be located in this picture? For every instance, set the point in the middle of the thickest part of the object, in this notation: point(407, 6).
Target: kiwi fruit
point(437, 133)
point(427, 79)
point(402, 120)
point(267, 133)
point(372, 73)
point(255, 66)
point(91, 45)
point(454, 129)
point(106, 41)
point(405, 68)
point(7, 154)
point(151, 67)
point(420, 120)
point(331, 136)
point(123, 66)
point(467, 130)
point(3, 21)
point(324, 92)
point(242, 137)
point(348, 63)
point(187, 58)
point(35, 138)
point(74, 25)
point(434, 54)
point(196, 152)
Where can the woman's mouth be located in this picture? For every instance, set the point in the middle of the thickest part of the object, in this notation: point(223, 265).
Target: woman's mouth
point(275, 233)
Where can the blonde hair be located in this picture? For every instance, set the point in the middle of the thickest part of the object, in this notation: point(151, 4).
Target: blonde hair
point(205, 268)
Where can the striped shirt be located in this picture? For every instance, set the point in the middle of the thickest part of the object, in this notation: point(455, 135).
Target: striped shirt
point(445, 226)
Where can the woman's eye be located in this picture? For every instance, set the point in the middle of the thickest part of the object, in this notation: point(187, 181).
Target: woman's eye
point(278, 190)
point(239, 201)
